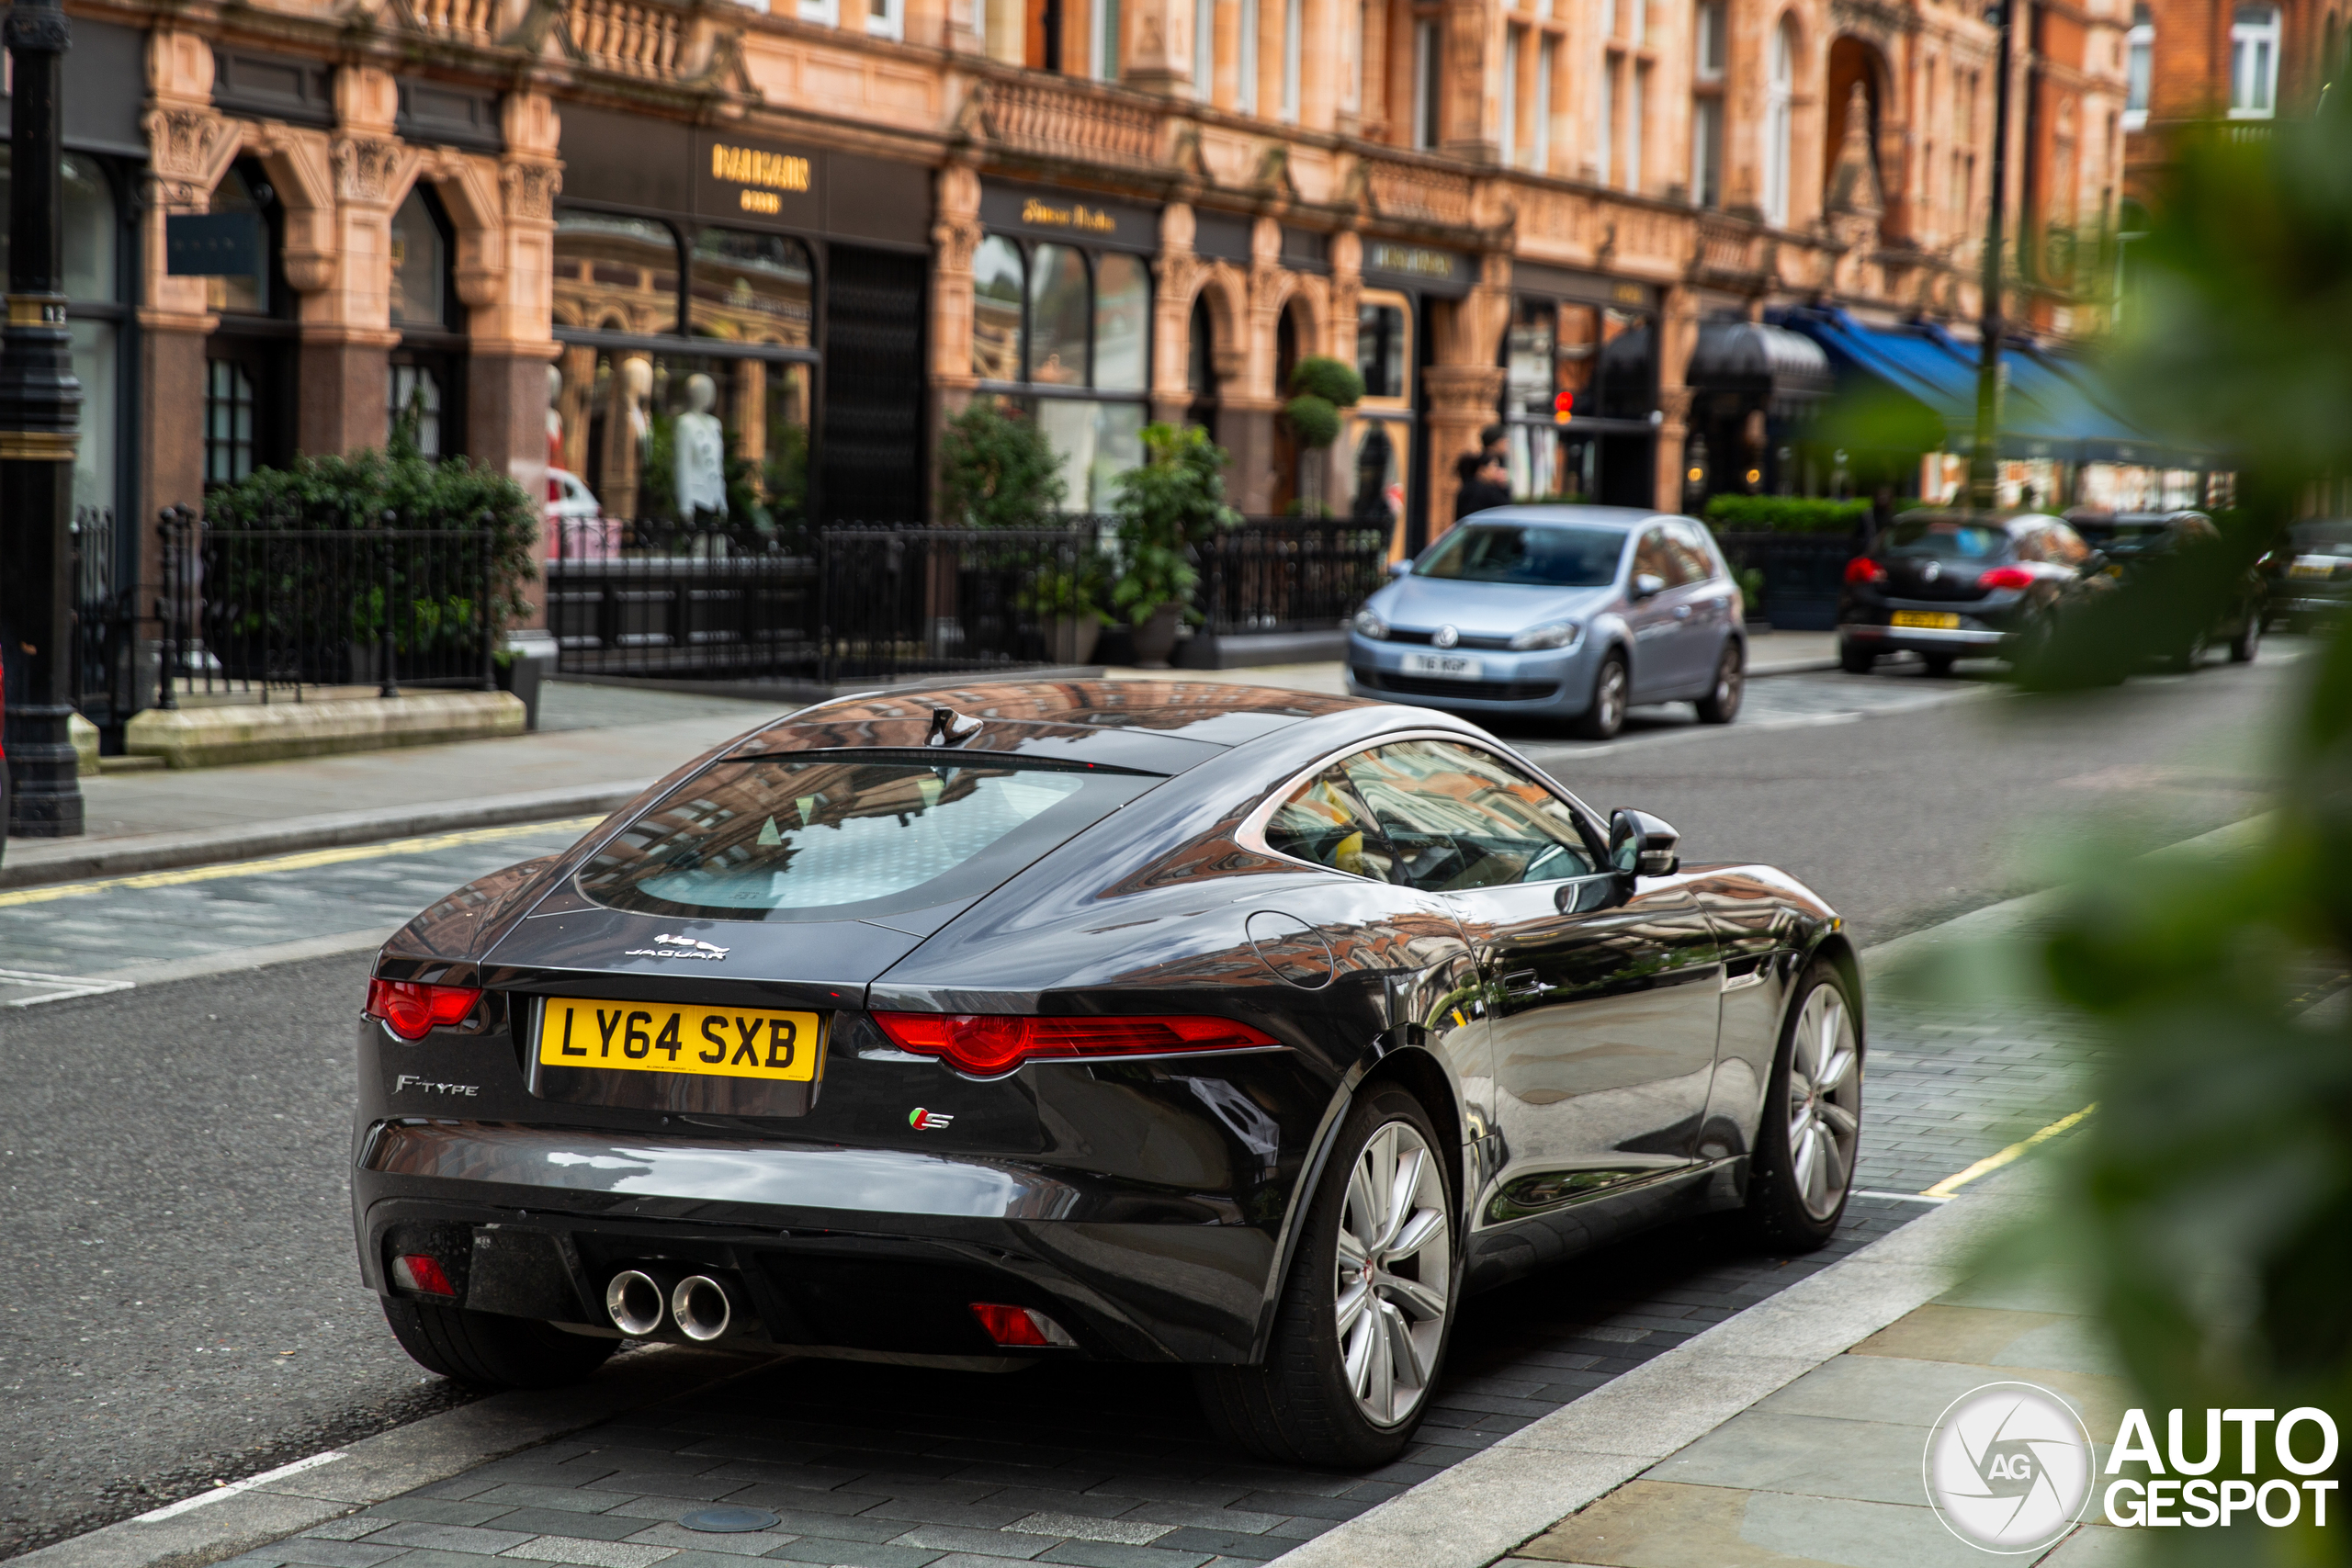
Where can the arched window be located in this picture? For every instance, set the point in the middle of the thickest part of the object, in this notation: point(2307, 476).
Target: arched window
point(2139, 67)
point(1707, 56)
point(1779, 120)
point(427, 365)
point(2254, 62)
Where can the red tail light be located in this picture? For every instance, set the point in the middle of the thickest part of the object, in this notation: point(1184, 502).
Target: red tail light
point(987, 1045)
point(415, 1271)
point(1862, 568)
point(2005, 576)
point(412, 1011)
point(1020, 1326)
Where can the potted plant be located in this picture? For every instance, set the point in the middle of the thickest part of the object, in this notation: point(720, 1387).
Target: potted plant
point(1164, 506)
point(1067, 603)
point(1320, 387)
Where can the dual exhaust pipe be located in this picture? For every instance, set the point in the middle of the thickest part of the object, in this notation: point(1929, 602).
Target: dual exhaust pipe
point(639, 1300)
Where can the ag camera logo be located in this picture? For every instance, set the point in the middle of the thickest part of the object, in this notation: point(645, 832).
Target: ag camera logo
point(2008, 1468)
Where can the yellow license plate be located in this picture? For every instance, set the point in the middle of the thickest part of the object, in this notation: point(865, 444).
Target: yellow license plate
point(2312, 568)
point(1927, 620)
point(650, 1037)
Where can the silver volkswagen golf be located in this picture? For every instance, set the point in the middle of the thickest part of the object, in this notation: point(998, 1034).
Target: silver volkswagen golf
point(1573, 613)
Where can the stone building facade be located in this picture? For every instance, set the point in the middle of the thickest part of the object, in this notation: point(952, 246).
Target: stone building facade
point(544, 232)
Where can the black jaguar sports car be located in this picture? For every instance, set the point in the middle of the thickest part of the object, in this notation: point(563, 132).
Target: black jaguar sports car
point(1144, 1021)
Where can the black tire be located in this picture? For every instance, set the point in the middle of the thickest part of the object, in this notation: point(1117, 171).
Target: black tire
point(1938, 665)
point(2247, 644)
point(1605, 715)
point(1780, 1215)
point(1721, 705)
point(1853, 658)
point(1300, 1406)
point(491, 1351)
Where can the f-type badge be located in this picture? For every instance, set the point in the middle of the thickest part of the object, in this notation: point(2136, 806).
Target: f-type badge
point(923, 1121)
point(680, 947)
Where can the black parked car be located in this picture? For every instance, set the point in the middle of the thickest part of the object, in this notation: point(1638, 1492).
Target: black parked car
point(2131, 541)
point(1154, 1021)
point(1949, 585)
point(2310, 577)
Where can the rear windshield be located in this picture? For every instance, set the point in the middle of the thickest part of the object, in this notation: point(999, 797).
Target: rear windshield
point(834, 837)
point(1946, 540)
point(1548, 554)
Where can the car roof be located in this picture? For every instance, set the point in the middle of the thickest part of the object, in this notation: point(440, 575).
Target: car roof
point(1624, 517)
point(2007, 521)
point(1159, 726)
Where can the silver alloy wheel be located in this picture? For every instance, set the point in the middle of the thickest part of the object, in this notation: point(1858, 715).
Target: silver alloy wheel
point(1825, 1101)
point(1394, 1272)
point(1609, 695)
point(1731, 673)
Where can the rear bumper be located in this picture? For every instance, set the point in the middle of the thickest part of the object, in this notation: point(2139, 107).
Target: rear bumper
point(1925, 639)
point(868, 1249)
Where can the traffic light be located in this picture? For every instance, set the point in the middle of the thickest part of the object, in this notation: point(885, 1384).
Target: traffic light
point(1564, 407)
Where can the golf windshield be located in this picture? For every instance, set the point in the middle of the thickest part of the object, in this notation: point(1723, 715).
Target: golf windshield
point(839, 836)
point(1545, 555)
point(2325, 536)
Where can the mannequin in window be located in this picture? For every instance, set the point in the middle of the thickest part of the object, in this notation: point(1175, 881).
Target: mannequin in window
point(701, 446)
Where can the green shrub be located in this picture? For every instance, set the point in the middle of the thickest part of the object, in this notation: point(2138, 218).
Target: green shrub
point(998, 471)
point(354, 491)
point(1313, 420)
point(1173, 499)
point(1786, 513)
point(1333, 380)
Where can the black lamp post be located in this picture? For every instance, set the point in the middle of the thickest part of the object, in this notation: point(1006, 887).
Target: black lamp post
point(1984, 464)
point(40, 405)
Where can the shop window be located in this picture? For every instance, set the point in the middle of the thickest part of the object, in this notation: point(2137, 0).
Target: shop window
point(229, 422)
point(1060, 321)
point(615, 273)
point(702, 447)
point(750, 289)
point(90, 246)
point(1200, 367)
point(1579, 384)
point(999, 349)
point(414, 401)
point(1381, 351)
point(420, 259)
point(1122, 324)
point(2254, 62)
point(244, 189)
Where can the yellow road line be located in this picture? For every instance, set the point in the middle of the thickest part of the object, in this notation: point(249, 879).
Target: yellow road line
point(341, 855)
point(1991, 1163)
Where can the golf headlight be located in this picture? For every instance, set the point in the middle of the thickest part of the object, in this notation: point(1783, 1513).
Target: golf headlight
point(1371, 626)
point(1551, 634)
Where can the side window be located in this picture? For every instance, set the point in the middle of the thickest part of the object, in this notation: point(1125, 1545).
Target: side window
point(1456, 818)
point(1690, 552)
point(2032, 543)
point(1655, 556)
point(2063, 546)
point(1326, 822)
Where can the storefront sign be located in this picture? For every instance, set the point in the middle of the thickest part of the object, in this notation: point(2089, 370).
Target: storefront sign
point(1401, 265)
point(735, 178)
point(1070, 216)
point(212, 244)
point(1587, 288)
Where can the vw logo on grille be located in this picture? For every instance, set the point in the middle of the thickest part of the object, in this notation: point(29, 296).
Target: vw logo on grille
point(1932, 571)
point(1446, 637)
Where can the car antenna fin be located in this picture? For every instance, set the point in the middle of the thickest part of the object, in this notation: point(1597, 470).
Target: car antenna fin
point(949, 727)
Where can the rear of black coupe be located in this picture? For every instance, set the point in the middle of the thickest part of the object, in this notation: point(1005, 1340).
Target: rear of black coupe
point(974, 1034)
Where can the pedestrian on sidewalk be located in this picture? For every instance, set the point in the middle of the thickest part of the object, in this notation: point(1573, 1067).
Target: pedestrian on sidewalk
point(1485, 483)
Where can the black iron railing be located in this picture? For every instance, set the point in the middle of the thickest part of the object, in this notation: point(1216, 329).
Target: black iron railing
point(1286, 574)
point(253, 612)
point(902, 601)
point(1802, 574)
point(105, 621)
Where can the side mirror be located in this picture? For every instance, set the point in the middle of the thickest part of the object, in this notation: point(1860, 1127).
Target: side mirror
point(1641, 845)
point(1400, 568)
point(1648, 585)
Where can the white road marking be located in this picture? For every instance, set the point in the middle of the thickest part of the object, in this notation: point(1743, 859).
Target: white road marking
point(231, 1488)
point(55, 987)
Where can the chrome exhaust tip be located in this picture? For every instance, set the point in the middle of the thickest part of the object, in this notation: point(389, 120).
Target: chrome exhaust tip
point(703, 1307)
point(634, 1301)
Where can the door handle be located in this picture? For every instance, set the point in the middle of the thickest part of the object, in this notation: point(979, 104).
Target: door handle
point(1523, 983)
point(1683, 611)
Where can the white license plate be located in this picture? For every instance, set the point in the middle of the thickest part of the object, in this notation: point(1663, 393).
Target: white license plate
point(1453, 666)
